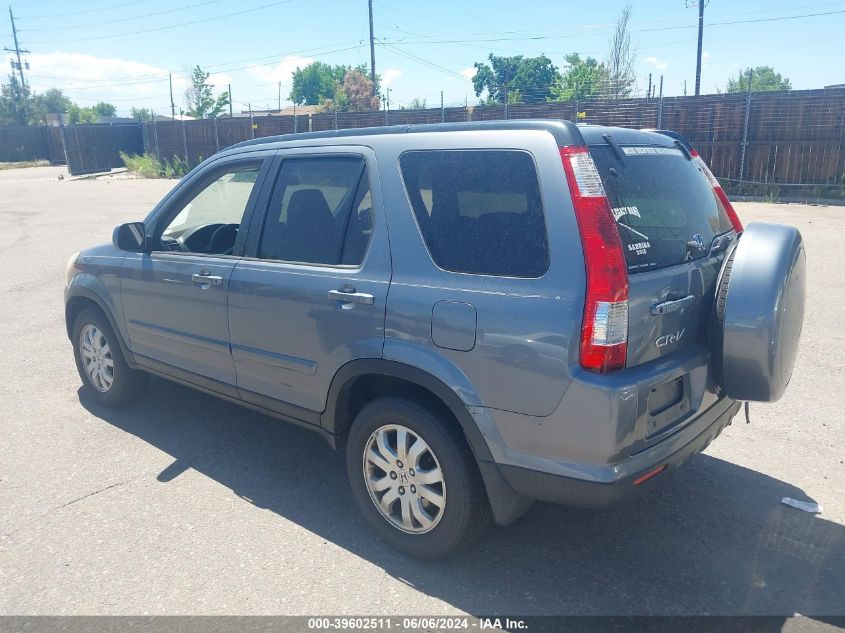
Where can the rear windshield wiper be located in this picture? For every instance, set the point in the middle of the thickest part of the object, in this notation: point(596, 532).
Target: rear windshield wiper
point(615, 147)
point(684, 149)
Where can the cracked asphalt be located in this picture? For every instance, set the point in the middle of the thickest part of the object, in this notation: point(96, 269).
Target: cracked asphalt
point(184, 504)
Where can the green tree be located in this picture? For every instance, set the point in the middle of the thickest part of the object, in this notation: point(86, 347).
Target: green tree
point(141, 114)
point(104, 109)
point(318, 81)
point(581, 79)
point(81, 116)
point(763, 79)
point(530, 78)
point(53, 101)
point(16, 106)
point(621, 60)
point(200, 99)
point(315, 83)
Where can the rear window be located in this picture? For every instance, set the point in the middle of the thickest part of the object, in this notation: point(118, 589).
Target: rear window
point(662, 203)
point(479, 211)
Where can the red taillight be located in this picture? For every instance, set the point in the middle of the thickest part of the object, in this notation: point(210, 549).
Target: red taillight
point(717, 188)
point(604, 331)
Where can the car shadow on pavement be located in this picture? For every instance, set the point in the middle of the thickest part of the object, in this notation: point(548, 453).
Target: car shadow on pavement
point(714, 539)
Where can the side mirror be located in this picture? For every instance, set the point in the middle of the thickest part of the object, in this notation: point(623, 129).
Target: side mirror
point(132, 237)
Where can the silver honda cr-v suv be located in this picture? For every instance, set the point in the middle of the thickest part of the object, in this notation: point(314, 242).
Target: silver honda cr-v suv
point(481, 314)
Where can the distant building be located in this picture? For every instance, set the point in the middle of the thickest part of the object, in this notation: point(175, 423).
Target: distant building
point(300, 110)
point(56, 119)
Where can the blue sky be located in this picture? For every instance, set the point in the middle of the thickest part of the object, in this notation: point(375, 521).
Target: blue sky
point(122, 53)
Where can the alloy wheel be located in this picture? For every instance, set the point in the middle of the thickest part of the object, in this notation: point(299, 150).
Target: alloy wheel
point(404, 479)
point(96, 357)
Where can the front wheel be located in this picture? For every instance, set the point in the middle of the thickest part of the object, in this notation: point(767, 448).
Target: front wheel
point(99, 360)
point(414, 478)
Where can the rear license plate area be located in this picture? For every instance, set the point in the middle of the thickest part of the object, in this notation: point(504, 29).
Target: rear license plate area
point(668, 404)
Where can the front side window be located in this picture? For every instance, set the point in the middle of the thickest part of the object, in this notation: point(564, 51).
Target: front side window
point(320, 212)
point(210, 221)
point(479, 211)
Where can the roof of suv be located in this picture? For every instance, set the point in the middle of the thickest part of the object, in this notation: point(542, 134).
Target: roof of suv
point(565, 133)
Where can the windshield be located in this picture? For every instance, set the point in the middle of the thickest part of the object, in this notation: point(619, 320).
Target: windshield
point(666, 210)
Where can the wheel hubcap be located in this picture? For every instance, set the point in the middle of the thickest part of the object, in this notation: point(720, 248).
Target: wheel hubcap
point(96, 357)
point(404, 479)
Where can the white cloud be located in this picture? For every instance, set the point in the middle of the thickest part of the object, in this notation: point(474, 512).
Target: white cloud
point(390, 75)
point(469, 73)
point(657, 63)
point(281, 71)
point(87, 79)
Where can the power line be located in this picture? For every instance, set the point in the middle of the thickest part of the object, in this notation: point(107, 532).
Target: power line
point(644, 30)
point(169, 26)
point(129, 19)
point(108, 7)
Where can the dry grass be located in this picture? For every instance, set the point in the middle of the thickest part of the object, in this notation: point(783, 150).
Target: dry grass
point(25, 163)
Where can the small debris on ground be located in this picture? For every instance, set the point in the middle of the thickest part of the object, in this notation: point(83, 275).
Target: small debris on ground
point(806, 506)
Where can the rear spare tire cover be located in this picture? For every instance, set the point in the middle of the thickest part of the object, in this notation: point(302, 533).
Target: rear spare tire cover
point(760, 307)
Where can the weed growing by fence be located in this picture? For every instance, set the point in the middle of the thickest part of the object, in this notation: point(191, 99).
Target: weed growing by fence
point(148, 166)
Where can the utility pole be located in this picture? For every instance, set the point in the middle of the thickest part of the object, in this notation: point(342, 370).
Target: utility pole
point(172, 105)
point(701, 4)
point(280, 96)
point(372, 49)
point(17, 50)
point(648, 92)
point(230, 100)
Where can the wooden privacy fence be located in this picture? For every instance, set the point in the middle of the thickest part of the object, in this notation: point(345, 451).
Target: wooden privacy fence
point(794, 138)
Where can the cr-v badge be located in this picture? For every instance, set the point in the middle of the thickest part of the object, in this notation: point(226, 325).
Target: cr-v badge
point(668, 339)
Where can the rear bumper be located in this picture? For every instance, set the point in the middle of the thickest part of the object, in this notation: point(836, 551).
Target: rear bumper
point(616, 482)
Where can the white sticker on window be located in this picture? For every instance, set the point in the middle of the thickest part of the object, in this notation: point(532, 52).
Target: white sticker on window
point(650, 151)
point(639, 248)
point(618, 212)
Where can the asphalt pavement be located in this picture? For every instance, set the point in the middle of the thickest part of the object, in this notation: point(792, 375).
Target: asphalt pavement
point(185, 504)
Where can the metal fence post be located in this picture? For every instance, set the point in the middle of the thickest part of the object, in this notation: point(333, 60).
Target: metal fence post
point(185, 142)
point(155, 129)
point(744, 145)
point(335, 119)
point(660, 113)
point(216, 137)
point(64, 144)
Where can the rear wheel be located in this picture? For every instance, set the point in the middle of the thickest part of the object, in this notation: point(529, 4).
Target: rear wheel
point(104, 372)
point(414, 479)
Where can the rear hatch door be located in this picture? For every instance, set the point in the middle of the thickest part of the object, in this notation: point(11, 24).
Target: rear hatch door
point(674, 232)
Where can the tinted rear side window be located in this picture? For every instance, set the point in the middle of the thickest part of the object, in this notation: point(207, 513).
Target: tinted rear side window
point(661, 202)
point(479, 211)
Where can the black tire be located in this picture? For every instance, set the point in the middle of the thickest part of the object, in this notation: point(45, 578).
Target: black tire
point(466, 513)
point(127, 383)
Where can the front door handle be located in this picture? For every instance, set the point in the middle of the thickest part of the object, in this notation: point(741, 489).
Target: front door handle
point(348, 295)
point(666, 307)
point(205, 280)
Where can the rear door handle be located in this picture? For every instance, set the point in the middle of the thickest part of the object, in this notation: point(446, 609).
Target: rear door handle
point(205, 280)
point(345, 295)
point(666, 307)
